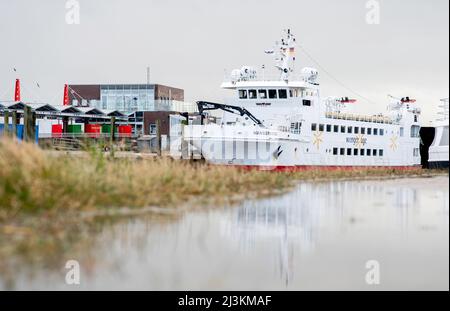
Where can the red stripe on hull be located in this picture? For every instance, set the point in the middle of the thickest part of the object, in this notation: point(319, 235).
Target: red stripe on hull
point(322, 167)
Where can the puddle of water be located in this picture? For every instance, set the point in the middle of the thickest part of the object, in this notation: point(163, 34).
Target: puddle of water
point(317, 237)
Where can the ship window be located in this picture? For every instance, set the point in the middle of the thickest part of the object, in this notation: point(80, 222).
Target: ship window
point(282, 93)
point(369, 152)
point(416, 152)
point(342, 129)
point(369, 131)
point(402, 132)
point(349, 151)
point(262, 94)
point(349, 129)
point(355, 152)
point(321, 127)
point(296, 127)
point(342, 151)
point(381, 152)
point(415, 118)
point(328, 128)
point(306, 102)
point(291, 94)
point(356, 130)
point(313, 127)
point(374, 152)
point(362, 151)
point(242, 94)
point(444, 137)
point(272, 94)
point(336, 128)
point(381, 132)
point(335, 151)
point(363, 130)
point(252, 94)
point(375, 131)
point(415, 131)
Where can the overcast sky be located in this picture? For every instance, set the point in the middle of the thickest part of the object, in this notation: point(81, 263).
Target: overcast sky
point(189, 43)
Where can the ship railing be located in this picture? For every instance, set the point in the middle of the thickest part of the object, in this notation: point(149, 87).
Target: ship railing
point(266, 77)
point(360, 118)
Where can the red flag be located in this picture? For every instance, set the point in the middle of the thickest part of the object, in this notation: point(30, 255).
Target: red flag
point(17, 91)
point(66, 95)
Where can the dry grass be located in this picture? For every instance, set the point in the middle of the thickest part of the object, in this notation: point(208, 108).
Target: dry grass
point(31, 181)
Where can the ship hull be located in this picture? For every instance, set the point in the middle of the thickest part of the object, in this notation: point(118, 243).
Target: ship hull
point(291, 155)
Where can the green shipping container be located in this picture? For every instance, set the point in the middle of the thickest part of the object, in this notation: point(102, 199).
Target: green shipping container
point(106, 129)
point(74, 129)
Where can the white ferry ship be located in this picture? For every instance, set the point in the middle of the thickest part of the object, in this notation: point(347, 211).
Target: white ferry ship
point(283, 123)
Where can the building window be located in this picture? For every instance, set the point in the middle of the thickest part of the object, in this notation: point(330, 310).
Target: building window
point(402, 132)
point(252, 94)
point(272, 94)
point(349, 151)
point(381, 132)
point(416, 152)
point(363, 130)
point(374, 152)
point(342, 129)
point(369, 152)
point(328, 128)
point(381, 152)
point(362, 151)
point(321, 127)
point(342, 151)
point(282, 94)
point(306, 102)
point(152, 129)
point(355, 152)
point(336, 128)
point(415, 118)
point(369, 131)
point(335, 151)
point(243, 94)
point(375, 131)
point(349, 129)
point(313, 127)
point(262, 94)
point(356, 130)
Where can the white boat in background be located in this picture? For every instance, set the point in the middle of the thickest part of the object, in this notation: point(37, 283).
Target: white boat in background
point(438, 152)
point(283, 123)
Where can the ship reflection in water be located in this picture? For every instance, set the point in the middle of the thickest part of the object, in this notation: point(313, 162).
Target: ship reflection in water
point(317, 237)
point(296, 221)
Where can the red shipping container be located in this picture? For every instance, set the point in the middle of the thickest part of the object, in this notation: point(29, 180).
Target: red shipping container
point(93, 130)
point(57, 130)
point(125, 130)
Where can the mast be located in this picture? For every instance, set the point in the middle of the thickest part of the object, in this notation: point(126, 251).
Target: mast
point(285, 55)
